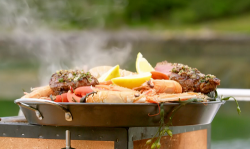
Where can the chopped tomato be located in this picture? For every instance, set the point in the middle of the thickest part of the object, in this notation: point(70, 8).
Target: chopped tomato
point(82, 91)
point(72, 97)
point(61, 98)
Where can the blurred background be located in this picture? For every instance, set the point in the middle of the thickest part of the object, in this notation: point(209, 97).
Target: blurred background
point(39, 37)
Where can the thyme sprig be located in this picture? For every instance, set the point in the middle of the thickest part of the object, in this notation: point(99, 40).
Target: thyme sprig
point(164, 128)
point(227, 98)
point(214, 96)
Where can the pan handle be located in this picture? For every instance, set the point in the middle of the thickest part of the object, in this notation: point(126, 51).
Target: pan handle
point(68, 115)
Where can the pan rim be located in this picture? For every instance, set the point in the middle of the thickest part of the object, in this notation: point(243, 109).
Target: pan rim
point(128, 104)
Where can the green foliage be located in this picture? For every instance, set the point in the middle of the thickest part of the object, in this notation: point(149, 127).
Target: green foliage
point(76, 13)
point(226, 127)
point(8, 108)
point(182, 11)
point(118, 13)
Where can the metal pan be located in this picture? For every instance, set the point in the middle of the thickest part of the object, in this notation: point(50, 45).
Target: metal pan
point(44, 112)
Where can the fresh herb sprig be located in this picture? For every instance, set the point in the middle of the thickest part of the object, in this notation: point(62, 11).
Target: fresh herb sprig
point(164, 128)
point(214, 96)
point(227, 98)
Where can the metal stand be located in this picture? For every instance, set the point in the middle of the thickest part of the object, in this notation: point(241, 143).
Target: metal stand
point(123, 138)
point(68, 140)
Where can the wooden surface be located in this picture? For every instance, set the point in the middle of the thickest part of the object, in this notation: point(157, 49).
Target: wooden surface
point(188, 140)
point(30, 143)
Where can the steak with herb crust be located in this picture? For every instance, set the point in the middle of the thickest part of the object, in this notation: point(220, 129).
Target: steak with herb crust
point(61, 81)
point(191, 79)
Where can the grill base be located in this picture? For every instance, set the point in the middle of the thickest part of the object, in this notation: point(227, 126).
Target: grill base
point(16, 133)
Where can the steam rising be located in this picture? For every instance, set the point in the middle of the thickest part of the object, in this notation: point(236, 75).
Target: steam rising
point(56, 49)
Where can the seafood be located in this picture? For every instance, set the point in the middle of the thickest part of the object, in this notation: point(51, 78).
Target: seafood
point(136, 97)
point(84, 92)
point(153, 91)
point(158, 89)
point(161, 86)
point(159, 93)
point(112, 88)
point(179, 97)
point(114, 97)
point(109, 82)
point(44, 91)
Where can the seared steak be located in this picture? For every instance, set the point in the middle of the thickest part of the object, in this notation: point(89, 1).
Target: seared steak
point(61, 81)
point(191, 79)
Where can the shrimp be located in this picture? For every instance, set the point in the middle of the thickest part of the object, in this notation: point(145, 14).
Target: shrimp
point(44, 91)
point(105, 96)
point(164, 97)
point(153, 91)
point(116, 97)
point(112, 88)
point(161, 86)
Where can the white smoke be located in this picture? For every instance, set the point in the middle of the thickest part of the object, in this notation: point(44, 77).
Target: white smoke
point(56, 49)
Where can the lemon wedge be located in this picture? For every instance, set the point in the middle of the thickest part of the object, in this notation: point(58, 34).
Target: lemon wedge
point(132, 81)
point(112, 73)
point(142, 65)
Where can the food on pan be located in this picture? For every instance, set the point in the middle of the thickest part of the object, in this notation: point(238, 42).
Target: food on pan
point(153, 86)
point(132, 81)
point(61, 81)
point(39, 92)
point(191, 79)
point(166, 82)
point(142, 65)
point(100, 70)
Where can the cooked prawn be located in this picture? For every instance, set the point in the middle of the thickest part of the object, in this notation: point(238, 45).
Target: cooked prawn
point(44, 91)
point(136, 97)
point(114, 97)
point(161, 86)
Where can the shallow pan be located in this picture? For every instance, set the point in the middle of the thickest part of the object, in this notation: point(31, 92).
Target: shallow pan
point(45, 112)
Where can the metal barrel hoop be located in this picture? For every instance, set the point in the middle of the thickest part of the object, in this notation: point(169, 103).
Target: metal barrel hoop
point(20, 102)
